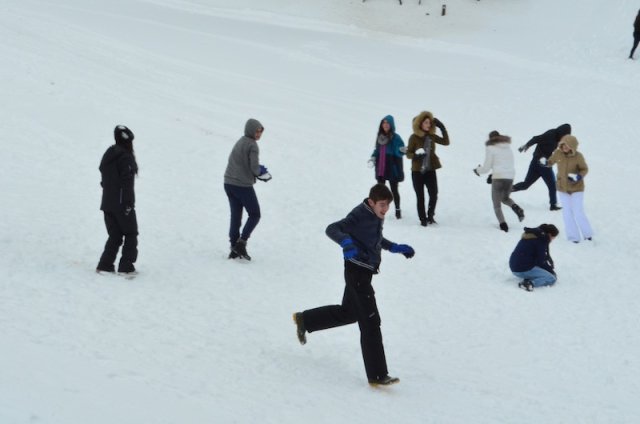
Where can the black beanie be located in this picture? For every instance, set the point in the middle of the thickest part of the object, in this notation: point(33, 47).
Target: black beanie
point(122, 134)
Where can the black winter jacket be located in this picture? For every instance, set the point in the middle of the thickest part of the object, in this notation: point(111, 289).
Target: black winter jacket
point(118, 169)
point(532, 250)
point(547, 142)
point(365, 229)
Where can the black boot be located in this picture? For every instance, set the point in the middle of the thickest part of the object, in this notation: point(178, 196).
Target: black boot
point(518, 210)
point(504, 227)
point(398, 214)
point(554, 208)
point(240, 249)
point(387, 380)
point(526, 285)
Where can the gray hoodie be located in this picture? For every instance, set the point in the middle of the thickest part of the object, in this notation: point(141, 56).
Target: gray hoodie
point(244, 163)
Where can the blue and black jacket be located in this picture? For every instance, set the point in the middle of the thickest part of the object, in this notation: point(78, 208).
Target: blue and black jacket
point(365, 229)
point(394, 168)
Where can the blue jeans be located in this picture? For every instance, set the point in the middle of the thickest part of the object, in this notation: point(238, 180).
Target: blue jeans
point(538, 276)
point(242, 198)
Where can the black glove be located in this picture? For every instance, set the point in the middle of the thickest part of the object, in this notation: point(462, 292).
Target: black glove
point(490, 179)
point(438, 123)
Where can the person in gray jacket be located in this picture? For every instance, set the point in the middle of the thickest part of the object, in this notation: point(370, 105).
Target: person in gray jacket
point(242, 170)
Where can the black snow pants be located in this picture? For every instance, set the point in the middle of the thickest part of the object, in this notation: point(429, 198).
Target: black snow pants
point(358, 305)
point(120, 226)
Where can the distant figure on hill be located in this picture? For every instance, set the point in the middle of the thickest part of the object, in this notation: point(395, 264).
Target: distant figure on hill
point(499, 159)
point(636, 35)
point(424, 162)
point(531, 259)
point(545, 143)
point(360, 237)
point(572, 168)
point(243, 167)
point(387, 158)
point(118, 169)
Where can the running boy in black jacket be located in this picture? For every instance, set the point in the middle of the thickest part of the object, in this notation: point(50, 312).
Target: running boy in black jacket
point(545, 144)
point(360, 236)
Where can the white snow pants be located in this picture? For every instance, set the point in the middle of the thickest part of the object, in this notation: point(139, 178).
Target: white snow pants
point(575, 220)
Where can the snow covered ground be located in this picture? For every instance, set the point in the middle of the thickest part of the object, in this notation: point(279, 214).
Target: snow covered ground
point(197, 338)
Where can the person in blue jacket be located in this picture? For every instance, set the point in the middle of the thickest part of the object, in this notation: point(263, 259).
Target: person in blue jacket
point(531, 259)
point(387, 158)
point(361, 239)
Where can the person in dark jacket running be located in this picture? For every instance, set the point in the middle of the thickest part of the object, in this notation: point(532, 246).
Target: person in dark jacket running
point(636, 35)
point(118, 169)
point(387, 158)
point(361, 239)
point(243, 167)
point(531, 259)
point(545, 144)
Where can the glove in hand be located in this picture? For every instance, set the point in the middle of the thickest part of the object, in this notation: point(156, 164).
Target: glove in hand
point(404, 249)
point(264, 174)
point(349, 250)
point(574, 178)
point(371, 162)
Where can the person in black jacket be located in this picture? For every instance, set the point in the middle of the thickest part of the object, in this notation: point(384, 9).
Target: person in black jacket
point(118, 169)
point(531, 259)
point(636, 35)
point(361, 239)
point(545, 144)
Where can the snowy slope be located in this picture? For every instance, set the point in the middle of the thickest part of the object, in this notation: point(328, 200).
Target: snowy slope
point(197, 338)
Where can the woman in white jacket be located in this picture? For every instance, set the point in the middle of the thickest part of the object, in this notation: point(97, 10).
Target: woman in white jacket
point(499, 160)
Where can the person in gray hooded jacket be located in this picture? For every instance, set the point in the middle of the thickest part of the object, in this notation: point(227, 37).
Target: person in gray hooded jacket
point(242, 170)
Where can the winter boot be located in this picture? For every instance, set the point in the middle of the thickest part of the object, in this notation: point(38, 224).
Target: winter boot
point(423, 222)
point(383, 381)
point(554, 208)
point(105, 269)
point(430, 214)
point(504, 227)
point(240, 249)
point(526, 285)
point(518, 210)
point(398, 214)
point(298, 319)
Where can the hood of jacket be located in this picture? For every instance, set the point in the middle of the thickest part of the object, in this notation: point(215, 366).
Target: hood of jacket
point(563, 130)
point(112, 154)
point(417, 123)
point(498, 139)
point(571, 141)
point(391, 122)
point(532, 233)
point(251, 127)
